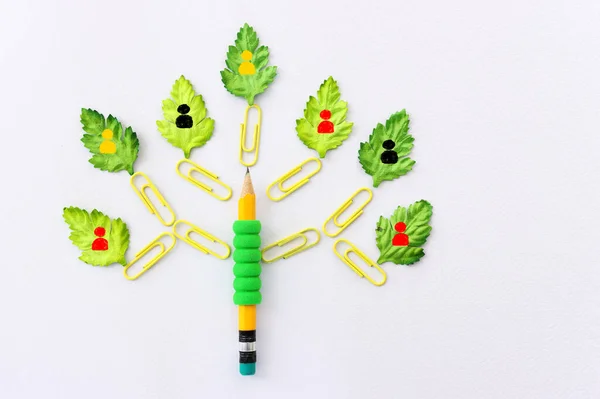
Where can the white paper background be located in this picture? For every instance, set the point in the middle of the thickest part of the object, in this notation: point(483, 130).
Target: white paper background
point(504, 104)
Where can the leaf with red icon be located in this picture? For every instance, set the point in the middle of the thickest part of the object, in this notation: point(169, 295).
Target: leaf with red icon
point(324, 125)
point(401, 237)
point(102, 241)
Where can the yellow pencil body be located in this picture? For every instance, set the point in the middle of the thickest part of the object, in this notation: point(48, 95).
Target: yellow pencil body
point(247, 313)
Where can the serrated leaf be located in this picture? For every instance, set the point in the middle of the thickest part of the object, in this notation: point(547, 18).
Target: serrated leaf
point(247, 38)
point(92, 121)
point(324, 125)
point(113, 153)
point(97, 249)
point(417, 229)
point(329, 93)
point(385, 155)
point(185, 125)
point(234, 58)
point(187, 139)
point(182, 91)
point(261, 57)
point(247, 74)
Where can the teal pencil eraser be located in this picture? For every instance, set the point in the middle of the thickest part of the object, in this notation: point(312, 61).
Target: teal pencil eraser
point(247, 368)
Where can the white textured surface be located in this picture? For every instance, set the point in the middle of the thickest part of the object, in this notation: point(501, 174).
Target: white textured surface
point(504, 100)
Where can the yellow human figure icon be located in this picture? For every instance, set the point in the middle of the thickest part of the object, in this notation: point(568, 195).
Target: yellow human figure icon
point(247, 67)
point(108, 146)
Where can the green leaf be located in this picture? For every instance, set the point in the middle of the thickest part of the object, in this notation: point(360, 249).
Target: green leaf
point(247, 39)
point(416, 218)
point(92, 121)
point(185, 108)
point(234, 59)
point(261, 57)
point(247, 74)
point(316, 130)
point(182, 91)
point(263, 79)
point(116, 152)
point(187, 139)
point(83, 227)
point(372, 154)
point(329, 93)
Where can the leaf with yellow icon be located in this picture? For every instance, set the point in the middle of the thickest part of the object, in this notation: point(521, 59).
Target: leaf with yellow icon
point(112, 149)
point(247, 74)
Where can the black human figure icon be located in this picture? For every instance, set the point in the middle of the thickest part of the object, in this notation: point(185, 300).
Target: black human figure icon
point(389, 156)
point(184, 121)
point(400, 239)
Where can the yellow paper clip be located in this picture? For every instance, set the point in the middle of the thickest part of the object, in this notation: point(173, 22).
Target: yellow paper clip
point(288, 190)
point(346, 259)
point(297, 249)
point(197, 168)
point(195, 229)
point(154, 244)
point(141, 192)
point(256, 138)
point(341, 210)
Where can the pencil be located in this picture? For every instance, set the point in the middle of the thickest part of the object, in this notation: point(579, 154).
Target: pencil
point(247, 272)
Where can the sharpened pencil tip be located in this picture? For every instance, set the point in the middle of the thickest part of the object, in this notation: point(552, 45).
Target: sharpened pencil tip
point(247, 187)
point(247, 170)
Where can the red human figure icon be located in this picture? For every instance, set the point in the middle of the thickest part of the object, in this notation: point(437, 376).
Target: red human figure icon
point(400, 239)
point(326, 126)
point(100, 244)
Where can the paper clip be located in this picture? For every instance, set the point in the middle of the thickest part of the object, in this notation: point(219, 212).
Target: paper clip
point(195, 229)
point(297, 249)
point(341, 210)
point(197, 168)
point(154, 244)
point(141, 192)
point(256, 138)
point(346, 259)
point(282, 179)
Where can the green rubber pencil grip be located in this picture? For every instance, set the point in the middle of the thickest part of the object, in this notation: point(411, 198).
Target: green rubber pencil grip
point(246, 256)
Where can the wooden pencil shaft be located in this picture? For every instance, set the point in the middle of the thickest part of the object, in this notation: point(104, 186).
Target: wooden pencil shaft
point(247, 207)
point(247, 313)
point(247, 318)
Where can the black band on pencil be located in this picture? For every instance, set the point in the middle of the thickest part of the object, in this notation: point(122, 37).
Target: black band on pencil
point(248, 336)
point(247, 357)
